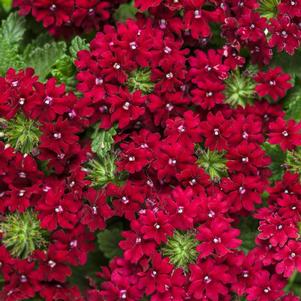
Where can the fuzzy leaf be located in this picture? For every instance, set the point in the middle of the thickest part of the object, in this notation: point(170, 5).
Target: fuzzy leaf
point(11, 33)
point(108, 241)
point(13, 28)
point(42, 59)
point(77, 44)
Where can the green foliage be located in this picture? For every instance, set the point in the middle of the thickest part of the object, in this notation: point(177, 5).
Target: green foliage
point(22, 233)
point(64, 71)
point(278, 160)
point(11, 33)
point(77, 44)
point(102, 140)
point(292, 101)
point(21, 133)
point(107, 242)
point(240, 88)
point(248, 232)
point(213, 162)
point(43, 59)
point(125, 11)
point(293, 161)
point(6, 5)
point(268, 8)
point(181, 249)
point(140, 79)
point(102, 171)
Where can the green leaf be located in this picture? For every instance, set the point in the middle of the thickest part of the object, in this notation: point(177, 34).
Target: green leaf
point(125, 11)
point(42, 59)
point(108, 241)
point(102, 141)
point(13, 28)
point(6, 4)
point(290, 64)
point(77, 44)
point(64, 71)
point(278, 159)
point(292, 102)
point(11, 33)
point(248, 231)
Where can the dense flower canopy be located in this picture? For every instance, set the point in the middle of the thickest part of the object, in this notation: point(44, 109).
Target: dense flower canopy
point(150, 150)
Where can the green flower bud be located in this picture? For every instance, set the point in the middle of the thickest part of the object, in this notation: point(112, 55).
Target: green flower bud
point(214, 163)
point(181, 249)
point(140, 79)
point(21, 133)
point(240, 88)
point(22, 233)
point(102, 171)
point(268, 8)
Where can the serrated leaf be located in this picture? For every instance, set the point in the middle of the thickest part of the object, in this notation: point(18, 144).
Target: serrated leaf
point(9, 57)
point(39, 41)
point(11, 33)
point(77, 44)
point(278, 158)
point(42, 59)
point(102, 141)
point(108, 241)
point(13, 28)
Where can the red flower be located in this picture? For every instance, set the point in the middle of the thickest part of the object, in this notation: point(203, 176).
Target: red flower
point(285, 133)
point(242, 191)
point(217, 237)
point(251, 27)
point(126, 107)
point(273, 83)
point(96, 211)
point(171, 158)
point(247, 158)
point(208, 94)
point(289, 258)
point(216, 131)
point(58, 210)
point(155, 226)
point(134, 245)
point(52, 265)
point(209, 280)
point(157, 276)
point(58, 136)
point(23, 281)
point(181, 207)
point(265, 287)
point(285, 34)
point(277, 230)
point(127, 199)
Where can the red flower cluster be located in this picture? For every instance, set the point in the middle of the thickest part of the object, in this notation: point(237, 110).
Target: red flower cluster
point(68, 16)
point(56, 192)
point(193, 166)
point(175, 104)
